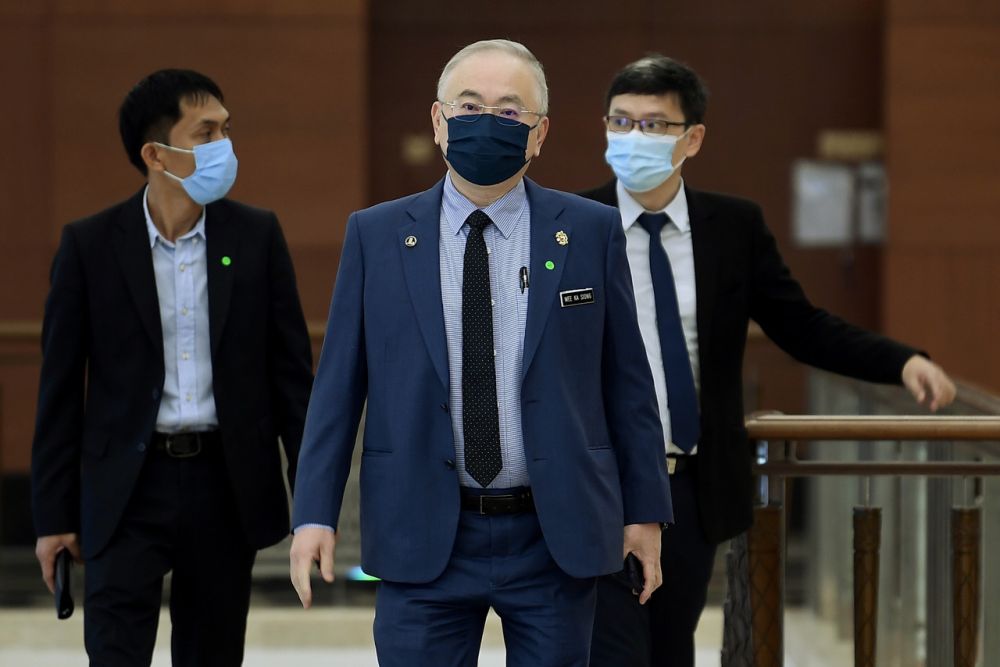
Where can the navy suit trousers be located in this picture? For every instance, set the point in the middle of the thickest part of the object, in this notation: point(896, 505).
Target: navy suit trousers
point(500, 562)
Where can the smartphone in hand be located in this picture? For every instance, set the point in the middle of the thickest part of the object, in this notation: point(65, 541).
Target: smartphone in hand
point(633, 570)
point(64, 596)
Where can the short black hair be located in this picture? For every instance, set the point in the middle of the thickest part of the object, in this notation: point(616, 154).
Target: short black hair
point(153, 107)
point(660, 75)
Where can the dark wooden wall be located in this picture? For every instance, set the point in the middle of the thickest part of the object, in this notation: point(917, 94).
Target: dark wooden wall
point(942, 270)
point(331, 102)
point(779, 72)
point(294, 74)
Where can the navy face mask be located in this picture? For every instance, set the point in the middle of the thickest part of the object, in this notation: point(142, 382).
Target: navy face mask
point(485, 152)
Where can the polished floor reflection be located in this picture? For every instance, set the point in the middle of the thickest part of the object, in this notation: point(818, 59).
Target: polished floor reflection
point(341, 637)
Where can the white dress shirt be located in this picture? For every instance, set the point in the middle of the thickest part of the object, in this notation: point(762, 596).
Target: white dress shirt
point(676, 240)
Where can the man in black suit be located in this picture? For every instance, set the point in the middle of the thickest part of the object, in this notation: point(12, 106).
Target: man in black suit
point(175, 354)
point(712, 266)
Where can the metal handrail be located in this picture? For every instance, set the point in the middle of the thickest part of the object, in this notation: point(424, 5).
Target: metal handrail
point(809, 427)
point(758, 639)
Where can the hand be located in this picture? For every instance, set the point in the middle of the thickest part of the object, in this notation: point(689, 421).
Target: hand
point(46, 550)
point(643, 539)
point(311, 545)
point(928, 383)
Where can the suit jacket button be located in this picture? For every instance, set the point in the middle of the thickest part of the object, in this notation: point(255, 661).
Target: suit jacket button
point(450, 464)
point(444, 406)
point(156, 394)
point(141, 447)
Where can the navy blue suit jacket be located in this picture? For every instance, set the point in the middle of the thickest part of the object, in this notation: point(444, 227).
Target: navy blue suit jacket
point(592, 439)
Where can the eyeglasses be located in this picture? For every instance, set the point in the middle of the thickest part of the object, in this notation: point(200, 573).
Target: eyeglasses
point(652, 126)
point(467, 111)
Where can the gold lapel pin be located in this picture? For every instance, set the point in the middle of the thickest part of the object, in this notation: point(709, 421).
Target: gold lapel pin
point(410, 241)
point(561, 238)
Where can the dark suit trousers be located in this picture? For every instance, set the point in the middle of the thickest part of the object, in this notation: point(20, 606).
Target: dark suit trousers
point(181, 518)
point(661, 632)
point(500, 562)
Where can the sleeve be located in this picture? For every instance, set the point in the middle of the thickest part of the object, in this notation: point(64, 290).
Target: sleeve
point(55, 451)
point(290, 358)
point(810, 334)
point(338, 396)
point(629, 396)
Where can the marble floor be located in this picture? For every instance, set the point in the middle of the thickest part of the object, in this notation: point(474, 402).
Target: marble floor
point(341, 637)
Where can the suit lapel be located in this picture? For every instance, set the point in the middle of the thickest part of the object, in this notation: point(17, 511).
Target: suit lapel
point(705, 244)
point(422, 271)
point(131, 245)
point(542, 294)
point(221, 243)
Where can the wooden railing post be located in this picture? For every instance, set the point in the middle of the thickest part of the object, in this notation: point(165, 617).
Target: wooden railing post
point(867, 542)
point(764, 547)
point(965, 534)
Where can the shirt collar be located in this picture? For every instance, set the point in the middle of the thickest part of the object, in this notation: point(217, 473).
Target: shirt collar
point(154, 233)
point(676, 210)
point(504, 212)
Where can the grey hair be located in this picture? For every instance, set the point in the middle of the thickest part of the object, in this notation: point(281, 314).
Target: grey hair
point(506, 46)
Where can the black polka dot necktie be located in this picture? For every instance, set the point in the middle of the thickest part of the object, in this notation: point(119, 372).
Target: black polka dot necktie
point(480, 414)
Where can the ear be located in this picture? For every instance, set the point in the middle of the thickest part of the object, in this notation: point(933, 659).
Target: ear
point(437, 120)
point(694, 141)
point(543, 131)
point(150, 154)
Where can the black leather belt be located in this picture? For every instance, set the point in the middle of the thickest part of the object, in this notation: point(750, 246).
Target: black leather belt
point(475, 500)
point(185, 445)
point(679, 463)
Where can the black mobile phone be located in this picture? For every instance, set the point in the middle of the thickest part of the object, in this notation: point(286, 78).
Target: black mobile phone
point(64, 596)
point(633, 570)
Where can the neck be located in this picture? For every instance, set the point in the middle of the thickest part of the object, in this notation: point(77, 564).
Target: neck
point(658, 198)
point(174, 214)
point(484, 195)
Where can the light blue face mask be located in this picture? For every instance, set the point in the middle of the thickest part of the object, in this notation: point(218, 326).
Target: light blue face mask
point(214, 170)
point(640, 161)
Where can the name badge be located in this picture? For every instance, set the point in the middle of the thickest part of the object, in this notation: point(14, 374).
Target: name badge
point(576, 297)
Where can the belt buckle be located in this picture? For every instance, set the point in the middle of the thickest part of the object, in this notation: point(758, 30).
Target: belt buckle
point(671, 465)
point(174, 454)
point(482, 511)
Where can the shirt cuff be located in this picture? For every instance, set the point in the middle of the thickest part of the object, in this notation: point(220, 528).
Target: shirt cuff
point(313, 525)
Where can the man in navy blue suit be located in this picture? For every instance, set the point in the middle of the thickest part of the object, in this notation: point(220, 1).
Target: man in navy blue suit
point(512, 448)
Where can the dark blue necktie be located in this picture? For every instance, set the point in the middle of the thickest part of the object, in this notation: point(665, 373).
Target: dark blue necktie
point(682, 399)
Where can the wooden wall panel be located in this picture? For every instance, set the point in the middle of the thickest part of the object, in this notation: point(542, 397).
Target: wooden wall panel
point(779, 72)
point(294, 74)
point(942, 95)
point(25, 168)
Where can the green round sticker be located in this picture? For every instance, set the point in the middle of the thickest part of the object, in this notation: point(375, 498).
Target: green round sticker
point(550, 265)
point(226, 261)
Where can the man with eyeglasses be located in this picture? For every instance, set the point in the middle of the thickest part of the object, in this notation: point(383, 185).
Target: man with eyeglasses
point(702, 266)
point(512, 451)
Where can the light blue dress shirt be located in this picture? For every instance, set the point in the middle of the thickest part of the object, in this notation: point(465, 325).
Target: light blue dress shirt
point(181, 271)
point(508, 241)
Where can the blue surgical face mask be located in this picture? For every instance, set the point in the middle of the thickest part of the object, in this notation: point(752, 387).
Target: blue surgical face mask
point(214, 170)
point(640, 161)
point(485, 152)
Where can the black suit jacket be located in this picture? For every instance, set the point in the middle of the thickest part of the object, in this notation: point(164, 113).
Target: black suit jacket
point(102, 370)
point(739, 275)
